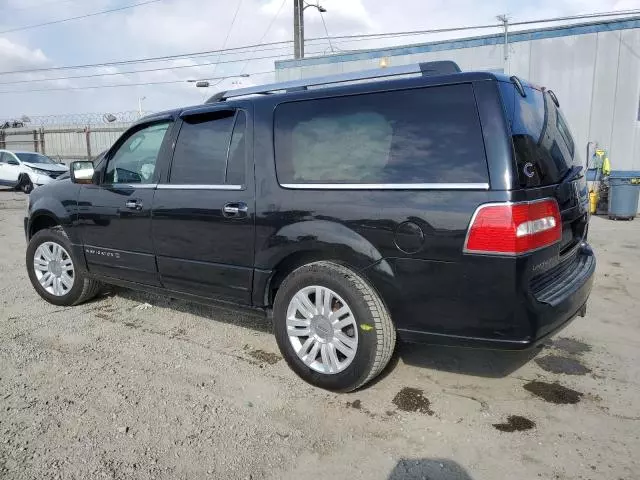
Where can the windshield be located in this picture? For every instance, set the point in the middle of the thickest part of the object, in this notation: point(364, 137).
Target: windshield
point(34, 158)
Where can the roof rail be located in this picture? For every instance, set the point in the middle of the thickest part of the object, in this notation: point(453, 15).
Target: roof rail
point(443, 67)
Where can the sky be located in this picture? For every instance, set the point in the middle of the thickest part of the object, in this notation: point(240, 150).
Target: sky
point(172, 27)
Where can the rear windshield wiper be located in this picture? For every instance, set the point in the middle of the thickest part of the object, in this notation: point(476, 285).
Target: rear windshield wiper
point(571, 174)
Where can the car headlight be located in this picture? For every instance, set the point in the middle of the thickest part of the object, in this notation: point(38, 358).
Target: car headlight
point(38, 171)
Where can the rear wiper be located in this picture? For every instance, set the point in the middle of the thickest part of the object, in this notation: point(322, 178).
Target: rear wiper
point(572, 174)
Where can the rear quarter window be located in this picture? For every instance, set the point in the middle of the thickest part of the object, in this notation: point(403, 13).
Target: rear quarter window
point(417, 136)
point(542, 141)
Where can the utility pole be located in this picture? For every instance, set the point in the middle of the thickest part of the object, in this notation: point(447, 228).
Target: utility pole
point(298, 29)
point(298, 25)
point(505, 23)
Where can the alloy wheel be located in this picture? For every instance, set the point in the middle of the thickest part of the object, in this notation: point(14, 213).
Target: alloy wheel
point(322, 329)
point(53, 267)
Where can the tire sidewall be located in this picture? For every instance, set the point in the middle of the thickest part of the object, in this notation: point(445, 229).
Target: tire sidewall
point(61, 239)
point(358, 370)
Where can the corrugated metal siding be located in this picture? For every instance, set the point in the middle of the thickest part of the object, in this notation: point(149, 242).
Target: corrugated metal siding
point(625, 114)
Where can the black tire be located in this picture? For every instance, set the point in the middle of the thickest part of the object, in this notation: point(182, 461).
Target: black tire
point(376, 333)
point(25, 184)
point(83, 288)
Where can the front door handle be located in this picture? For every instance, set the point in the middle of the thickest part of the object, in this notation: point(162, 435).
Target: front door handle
point(134, 204)
point(235, 209)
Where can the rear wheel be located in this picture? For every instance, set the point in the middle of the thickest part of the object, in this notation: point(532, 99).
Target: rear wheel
point(53, 271)
point(332, 327)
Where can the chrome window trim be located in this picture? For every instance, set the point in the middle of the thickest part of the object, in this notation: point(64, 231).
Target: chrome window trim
point(130, 185)
point(387, 186)
point(169, 186)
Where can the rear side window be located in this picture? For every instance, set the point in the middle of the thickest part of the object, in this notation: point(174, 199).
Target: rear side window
point(542, 141)
point(426, 135)
point(200, 155)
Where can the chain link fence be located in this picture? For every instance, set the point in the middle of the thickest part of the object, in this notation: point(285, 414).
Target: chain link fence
point(65, 137)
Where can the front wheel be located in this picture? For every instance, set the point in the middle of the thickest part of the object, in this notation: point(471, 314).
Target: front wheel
point(53, 271)
point(332, 327)
point(25, 184)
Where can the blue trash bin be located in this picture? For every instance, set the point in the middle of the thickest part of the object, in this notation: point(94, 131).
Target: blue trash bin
point(624, 189)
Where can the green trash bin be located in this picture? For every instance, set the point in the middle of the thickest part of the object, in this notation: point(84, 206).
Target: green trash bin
point(624, 190)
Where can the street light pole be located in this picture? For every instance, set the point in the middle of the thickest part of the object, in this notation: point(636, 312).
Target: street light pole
point(505, 23)
point(140, 99)
point(299, 7)
point(298, 29)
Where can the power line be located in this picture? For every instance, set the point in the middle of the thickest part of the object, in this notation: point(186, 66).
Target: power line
point(226, 39)
point(142, 60)
point(146, 70)
point(73, 77)
point(579, 17)
point(266, 32)
point(236, 49)
point(92, 87)
point(345, 38)
point(326, 31)
point(79, 17)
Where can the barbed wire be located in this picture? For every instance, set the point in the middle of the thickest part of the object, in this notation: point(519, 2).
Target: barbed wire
point(72, 119)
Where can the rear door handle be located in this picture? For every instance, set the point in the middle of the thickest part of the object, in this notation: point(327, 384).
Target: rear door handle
point(134, 204)
point(235, 209)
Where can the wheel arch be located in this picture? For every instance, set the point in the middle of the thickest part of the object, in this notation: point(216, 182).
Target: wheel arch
point(40, 221)
point(306, 242)
point(45, 211)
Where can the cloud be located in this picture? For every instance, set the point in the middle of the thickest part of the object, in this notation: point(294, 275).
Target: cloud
point(18, 57)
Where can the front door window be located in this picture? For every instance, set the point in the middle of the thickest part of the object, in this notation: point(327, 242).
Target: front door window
point(135, 160)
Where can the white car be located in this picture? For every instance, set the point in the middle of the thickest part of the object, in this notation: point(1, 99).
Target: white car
point(26, 170)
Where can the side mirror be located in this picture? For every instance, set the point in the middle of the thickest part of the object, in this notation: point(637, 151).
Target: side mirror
point(13, 161)
point(81, 172)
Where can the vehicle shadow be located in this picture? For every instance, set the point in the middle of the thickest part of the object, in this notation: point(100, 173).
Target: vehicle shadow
point(473, 362)
point(460, 360)
point(466, 361)
point(253, 321)
point(429, 468)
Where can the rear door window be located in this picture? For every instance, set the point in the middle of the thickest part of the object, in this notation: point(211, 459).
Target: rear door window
point(426, 135)
point(200, 155)
point(543, 144)
point(236, 165)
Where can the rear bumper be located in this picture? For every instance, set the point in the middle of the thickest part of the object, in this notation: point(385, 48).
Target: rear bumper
point(547, 308)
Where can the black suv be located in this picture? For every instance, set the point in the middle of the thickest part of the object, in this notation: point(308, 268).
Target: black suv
point(442, 207)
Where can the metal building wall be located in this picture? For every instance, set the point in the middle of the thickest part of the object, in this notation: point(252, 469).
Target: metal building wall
point(594, 69)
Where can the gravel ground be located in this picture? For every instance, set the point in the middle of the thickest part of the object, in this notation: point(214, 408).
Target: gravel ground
point(138, 386)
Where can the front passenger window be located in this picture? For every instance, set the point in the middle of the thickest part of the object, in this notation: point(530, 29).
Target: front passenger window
point(135, 160)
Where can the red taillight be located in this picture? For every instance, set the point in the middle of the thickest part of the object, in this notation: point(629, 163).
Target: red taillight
point(514, 228)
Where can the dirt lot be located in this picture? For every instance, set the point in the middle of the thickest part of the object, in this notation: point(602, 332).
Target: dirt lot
point(120, 389)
